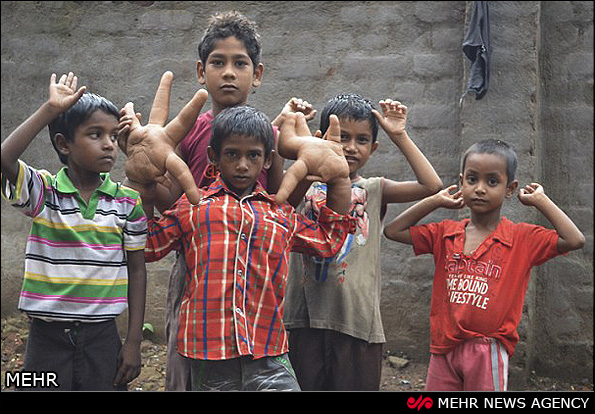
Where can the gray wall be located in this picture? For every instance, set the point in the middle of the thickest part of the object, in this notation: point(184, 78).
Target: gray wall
point(540, 100)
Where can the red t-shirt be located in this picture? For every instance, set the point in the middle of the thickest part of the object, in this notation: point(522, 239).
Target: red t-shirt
point(480, 295)
point(194, 151)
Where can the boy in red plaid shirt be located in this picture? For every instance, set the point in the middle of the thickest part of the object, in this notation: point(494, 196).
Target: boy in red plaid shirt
point(236, 242)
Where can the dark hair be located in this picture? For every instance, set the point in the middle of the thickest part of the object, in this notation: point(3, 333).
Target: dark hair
point(224, 25)
point(497, 147)
point(349, 106)
point(242, 121)
point(68, 121)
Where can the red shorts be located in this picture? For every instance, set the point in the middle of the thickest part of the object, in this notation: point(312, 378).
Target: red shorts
point(475, 365)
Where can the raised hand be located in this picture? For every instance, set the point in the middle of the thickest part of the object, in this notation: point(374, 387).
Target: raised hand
point(450, 200)
point(316, 159)
point(530, 194)
point(393, 118)
point(150, 149)
point(63, 94)
point(295, 105)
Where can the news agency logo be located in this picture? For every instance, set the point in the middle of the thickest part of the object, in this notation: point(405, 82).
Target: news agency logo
point(31, 379)
point(420, 403)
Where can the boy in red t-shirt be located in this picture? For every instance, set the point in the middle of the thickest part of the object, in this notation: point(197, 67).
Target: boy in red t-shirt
point(483, 266)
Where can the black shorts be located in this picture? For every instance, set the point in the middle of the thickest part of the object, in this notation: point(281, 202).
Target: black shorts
point(327, 360)
point(80, 356)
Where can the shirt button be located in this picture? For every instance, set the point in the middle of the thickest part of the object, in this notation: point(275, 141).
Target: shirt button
point(243, 236)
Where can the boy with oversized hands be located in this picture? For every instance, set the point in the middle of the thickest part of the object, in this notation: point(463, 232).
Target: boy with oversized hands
point(150, 149)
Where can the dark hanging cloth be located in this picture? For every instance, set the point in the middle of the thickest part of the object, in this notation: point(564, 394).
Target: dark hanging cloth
point(476, 46)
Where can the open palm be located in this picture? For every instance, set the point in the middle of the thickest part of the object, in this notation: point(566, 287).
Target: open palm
point(64, 94)
point(150, 149)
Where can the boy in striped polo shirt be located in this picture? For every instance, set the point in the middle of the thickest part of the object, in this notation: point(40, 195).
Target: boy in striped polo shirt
point(84, 259)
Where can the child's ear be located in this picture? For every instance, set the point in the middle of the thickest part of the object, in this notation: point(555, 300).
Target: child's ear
point(258, 72)
point(374, 147)
point(212, 156)
point(511, 188)
point(460, 180)
point(62, 144)
point(269, 160)
point(200, 73)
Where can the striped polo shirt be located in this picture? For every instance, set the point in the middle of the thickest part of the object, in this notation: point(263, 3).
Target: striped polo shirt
point(75, 260)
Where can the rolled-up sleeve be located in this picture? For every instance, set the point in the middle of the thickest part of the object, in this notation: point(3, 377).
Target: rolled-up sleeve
point(325, 237)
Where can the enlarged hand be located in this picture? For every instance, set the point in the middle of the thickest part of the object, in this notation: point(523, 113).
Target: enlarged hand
point(63, 94)
point(531, 194)
point(452, 201)
point(393, 118)
point(150, 149)
point(316, 159)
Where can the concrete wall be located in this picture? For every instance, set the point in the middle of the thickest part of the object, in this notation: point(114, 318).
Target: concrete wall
point(540, 100)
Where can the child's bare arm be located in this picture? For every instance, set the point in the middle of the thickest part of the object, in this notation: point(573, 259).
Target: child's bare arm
point(570, 237)
point(62, 95)
point(393, 120)
point(150, 149)
point(129, 359)
point(398, 228)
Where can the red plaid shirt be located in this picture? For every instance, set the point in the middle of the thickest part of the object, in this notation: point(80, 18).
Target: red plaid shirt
point(237, 256)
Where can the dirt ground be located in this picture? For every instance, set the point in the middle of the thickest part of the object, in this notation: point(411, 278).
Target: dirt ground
point(410, 377)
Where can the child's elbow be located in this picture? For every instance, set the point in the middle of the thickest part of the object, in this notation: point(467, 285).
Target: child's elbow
point(388, 233)
point(436, 187)
point(392, 233)
point(432, 187)
point(579, 243)
point(575, 243)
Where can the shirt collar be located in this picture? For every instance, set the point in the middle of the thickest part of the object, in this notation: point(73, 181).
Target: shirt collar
point(64, 185)
point(219, 186)
point(503, 232)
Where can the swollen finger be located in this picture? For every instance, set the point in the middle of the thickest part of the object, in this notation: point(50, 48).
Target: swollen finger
point(294, 174)
point(184, 121)
point(181, 173)
point(160, 108)
point(301, 125)
point(287, 133)
point(334, 129)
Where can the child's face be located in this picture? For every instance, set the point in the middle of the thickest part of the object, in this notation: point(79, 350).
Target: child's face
point(484, 182)
point(356, 139)
point(240, 162)
point(229, 74)
point(95, 145)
